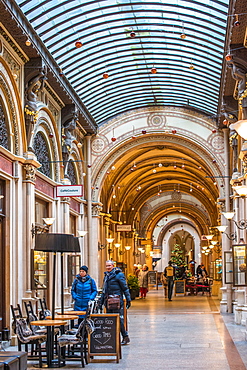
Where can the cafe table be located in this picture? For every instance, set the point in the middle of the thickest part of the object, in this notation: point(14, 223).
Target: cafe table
point(50, 340)
point(71, 313)
point(64, 317)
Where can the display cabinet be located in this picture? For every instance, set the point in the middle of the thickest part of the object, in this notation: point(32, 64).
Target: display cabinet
point(216, 269)
point(228, 267)
point(239, 264)
point(39, 270)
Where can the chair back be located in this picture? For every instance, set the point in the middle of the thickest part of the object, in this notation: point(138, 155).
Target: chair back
point(44, 309)
point(31, 316)
point(87, 325)
point(17, 314)
point(22, 330)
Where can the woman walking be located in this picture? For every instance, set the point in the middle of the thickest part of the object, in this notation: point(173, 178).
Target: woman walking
point(143, 281)
point(83, 290)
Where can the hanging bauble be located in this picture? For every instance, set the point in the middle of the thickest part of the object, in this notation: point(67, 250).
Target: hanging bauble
point(28, 43)
point(153, 70)
point(214, 131)
point(182, 36)
point(191, 67)
point(144, 132)
point(228, 57)
point(78, 44)
point(133, 137)
point(174, 131)
point(113, 139)
point(89, 165)
point(51, 135)
point(132, 34)
point(105, 75)
point(237, 24)
point(225, 122)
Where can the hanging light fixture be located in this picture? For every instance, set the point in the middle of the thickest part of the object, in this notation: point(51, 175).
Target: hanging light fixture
point(191, 65)
point(132, 34)
point(28, 42)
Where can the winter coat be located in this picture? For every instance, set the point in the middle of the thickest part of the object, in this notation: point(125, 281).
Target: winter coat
point(83, 292)
point(115, 283)
point(143, 279)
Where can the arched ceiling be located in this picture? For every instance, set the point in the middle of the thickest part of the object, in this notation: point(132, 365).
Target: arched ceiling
point(169, 178)
point(188, 68)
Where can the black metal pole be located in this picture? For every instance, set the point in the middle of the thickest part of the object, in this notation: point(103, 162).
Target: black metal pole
point(54, 286)
point(62, 301)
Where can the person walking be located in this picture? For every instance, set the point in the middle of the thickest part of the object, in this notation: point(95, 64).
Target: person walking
point(115, 284)
point(169, 273)
point(83, 290)
point(143, 281)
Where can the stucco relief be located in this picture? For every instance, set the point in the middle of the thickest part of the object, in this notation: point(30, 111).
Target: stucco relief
point(14, 66)
point(156, 120)
point(11, 108)
point(99, 144)
point(30, 172)
point(217, 142)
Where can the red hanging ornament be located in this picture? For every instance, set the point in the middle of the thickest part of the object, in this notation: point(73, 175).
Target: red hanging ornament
point(132, 34)
point(105, 75)
point(236, 23)
point(174, 131)
point(182, 36)
point(228, 57)
point(113, 139)
point(225, 122)
point(144, 132)
point(214, 131)
point(78, 44)
point(153, 70)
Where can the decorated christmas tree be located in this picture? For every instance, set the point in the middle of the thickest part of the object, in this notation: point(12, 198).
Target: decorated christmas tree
point(177, 256)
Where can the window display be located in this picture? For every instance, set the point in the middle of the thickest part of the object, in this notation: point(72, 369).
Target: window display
point(40, 263)
point(228, 267)
point(239, 265)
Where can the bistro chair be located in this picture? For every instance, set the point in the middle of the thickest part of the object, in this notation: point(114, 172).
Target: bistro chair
point(26, 336)
point(78, 341)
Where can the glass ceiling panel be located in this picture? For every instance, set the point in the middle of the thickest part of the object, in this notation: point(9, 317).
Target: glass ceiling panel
point(188, 68)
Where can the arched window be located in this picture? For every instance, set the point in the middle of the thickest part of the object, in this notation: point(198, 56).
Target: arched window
point(71, 173)
point(42, 154)
point(4, 137)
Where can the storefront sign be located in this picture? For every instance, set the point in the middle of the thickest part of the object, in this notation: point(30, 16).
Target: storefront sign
point(69, 191)
point(124, 228)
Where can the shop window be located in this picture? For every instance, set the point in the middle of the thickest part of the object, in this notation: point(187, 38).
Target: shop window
point(40, 270)
point(216, 269)
point(74, 263)
point(239, 265)
point(228, 267)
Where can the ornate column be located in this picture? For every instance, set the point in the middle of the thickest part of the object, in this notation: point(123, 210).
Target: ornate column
point(95, 240)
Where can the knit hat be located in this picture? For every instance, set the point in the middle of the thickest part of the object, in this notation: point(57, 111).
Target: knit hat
point(85, 268)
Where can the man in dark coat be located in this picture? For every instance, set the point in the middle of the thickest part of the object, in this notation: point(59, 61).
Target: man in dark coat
point(115, 283)
point(169, 273)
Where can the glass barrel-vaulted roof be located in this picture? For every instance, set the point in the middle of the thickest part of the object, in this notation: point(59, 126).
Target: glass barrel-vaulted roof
point(188, 69)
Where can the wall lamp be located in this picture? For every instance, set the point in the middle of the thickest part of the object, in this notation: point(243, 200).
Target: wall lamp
point(127, 248)
point(242, 224)
point(81, 233)
point(38, 229)
point(241, 190)
point(103, 246)
point(222, 229)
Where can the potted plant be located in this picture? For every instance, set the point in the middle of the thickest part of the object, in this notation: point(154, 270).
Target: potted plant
point(133, 285)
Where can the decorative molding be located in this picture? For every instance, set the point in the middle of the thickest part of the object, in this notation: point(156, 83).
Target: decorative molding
point(30, 172)
point(13, 45)
point(53, 95)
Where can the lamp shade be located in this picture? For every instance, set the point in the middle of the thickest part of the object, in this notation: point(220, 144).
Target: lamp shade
point(56, 243)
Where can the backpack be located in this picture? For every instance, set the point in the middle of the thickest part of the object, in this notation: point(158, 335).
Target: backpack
point(169, 271)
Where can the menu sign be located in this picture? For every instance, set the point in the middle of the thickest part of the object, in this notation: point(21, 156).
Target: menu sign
point(105, 340)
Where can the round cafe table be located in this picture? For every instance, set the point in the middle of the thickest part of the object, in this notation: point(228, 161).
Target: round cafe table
point(78, 313)
point(65, 317)
point(49, 343)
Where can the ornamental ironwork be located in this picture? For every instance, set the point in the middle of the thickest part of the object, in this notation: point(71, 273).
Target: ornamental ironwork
point(71, 173)
point(42, 154)
point(3, 130)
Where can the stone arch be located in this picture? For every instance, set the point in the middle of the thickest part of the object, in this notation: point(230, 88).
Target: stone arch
point(13, 107)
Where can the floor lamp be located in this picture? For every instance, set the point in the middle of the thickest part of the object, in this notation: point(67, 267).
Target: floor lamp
point(63, 243)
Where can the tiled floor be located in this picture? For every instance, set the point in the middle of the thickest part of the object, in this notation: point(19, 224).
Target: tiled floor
point(187, 333)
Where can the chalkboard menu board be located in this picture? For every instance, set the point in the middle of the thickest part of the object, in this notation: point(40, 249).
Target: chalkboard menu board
point(152, 277)
point(105, 340)
point(179, 287)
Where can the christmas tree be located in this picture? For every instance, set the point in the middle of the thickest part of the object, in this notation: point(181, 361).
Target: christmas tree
point(177, 257)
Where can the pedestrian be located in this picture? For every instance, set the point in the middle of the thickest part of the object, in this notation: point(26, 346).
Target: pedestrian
point(169, 273)
point(143, 281)
point(83, 290)
point(115, 285)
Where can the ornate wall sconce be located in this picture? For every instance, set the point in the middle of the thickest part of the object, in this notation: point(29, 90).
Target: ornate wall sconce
point(127, 248)
point(222, 229)
point(242, 224)
point(38, 229)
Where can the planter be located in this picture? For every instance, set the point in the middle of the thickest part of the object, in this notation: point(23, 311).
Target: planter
point(133, 293)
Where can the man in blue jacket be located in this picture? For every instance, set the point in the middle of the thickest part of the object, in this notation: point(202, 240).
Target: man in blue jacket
point(83, 290)
point(115, 284)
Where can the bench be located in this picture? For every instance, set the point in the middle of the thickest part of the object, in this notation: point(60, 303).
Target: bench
point(20, 356)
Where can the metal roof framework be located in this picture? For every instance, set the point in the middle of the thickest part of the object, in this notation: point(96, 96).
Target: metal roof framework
point(188, 68)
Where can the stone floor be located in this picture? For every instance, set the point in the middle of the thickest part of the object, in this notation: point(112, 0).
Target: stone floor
point(187, 333)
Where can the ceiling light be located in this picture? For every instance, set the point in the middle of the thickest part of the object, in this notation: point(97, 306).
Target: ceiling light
point(228, 215)
point(81, 233)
